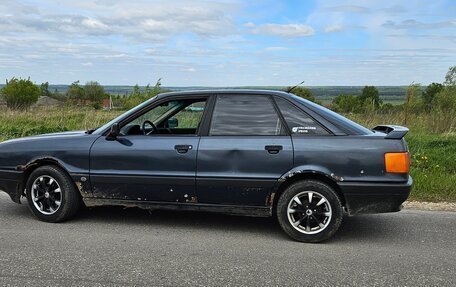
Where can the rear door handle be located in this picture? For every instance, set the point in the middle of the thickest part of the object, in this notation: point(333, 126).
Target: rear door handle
point(182, 148)
point(273, 149)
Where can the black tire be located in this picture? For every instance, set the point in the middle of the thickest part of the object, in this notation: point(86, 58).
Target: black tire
point(329, 213)
point(68, 196)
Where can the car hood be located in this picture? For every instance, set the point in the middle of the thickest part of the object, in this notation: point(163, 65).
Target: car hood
point(47, 136)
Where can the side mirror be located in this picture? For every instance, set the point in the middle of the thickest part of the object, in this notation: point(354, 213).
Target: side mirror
point(113, 133)
point(173, 123)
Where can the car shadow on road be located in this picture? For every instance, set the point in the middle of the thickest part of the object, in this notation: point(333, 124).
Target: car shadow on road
point(363, 228)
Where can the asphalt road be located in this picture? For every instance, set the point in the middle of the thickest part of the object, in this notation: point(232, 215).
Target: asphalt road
point(116, 247)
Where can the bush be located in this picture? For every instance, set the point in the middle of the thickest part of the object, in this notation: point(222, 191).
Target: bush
point(20, 94)
point(347, 104)
point(75, 93)
point(94, 92)
point(138, 96)
point(91, 94)
point(370, 98)
point(428, 96)
point(304, 93)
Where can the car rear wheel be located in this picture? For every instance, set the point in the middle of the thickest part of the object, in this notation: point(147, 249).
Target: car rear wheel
point(309, 211)
point(51, 194)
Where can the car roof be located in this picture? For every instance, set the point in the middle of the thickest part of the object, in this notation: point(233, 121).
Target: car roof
point(224, 91)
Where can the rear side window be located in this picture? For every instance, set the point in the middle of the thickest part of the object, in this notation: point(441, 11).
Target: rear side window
point(298, 121)
point(245, 115)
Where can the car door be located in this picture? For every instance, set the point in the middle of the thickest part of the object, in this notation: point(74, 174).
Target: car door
point(153, 167)
point(245, 150)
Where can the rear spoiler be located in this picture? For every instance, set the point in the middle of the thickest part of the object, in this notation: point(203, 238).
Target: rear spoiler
point(392, 132)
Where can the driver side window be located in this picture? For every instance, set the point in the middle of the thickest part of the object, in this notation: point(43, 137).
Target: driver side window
point(189, 117)
point(181, 117)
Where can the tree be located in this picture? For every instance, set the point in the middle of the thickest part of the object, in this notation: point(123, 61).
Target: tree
point(304, 93)
point(20, 93)
point(347, 104)
point(94, 92)
point(136, 91)
point(370, 98)
point(445, 100)
point(429, 94)
point(44, 88)
point(155, 91)
point(450, 77)
point(76, 93)
point(138, 97)
point(411, 100)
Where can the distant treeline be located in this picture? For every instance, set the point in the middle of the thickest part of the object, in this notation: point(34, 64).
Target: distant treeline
point(324, 93)
point(22, 93)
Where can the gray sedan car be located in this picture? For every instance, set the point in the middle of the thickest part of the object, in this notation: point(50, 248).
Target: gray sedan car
point(243, 152)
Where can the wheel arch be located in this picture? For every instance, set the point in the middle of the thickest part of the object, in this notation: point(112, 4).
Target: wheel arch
point(300, 175)
point(28, 168)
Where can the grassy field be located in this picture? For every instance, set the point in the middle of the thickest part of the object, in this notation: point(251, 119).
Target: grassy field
point(15, 124)
point(432, 141)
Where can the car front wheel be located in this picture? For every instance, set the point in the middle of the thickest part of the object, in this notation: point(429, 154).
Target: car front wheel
point(51, 194)
point(309, 211)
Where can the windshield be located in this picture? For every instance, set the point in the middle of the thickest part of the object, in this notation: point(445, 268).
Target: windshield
point(108, 125)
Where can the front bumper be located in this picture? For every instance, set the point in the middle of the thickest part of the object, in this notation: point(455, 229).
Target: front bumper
point(368, 197)
point(11, 183)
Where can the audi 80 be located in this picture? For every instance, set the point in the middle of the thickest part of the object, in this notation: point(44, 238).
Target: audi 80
point(241, 152)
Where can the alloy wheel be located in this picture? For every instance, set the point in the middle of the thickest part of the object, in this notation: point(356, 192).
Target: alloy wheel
point(46, 195)
point(309, 212)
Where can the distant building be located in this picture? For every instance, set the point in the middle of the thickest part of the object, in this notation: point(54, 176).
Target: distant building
point(107, 103)
point(48, 102)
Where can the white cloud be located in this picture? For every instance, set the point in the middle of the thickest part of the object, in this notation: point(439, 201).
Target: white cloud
point(273, 49)
point(349, 9)
point(115, 56)
point(138, 20)
point(334, 28)
point(94, 24)
point(414, 24)
point(191, 70)
point(87, 64)
point(394, 10)
point(284, 30)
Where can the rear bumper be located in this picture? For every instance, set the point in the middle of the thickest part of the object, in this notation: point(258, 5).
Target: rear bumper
point(375, 197)
point(10, 182)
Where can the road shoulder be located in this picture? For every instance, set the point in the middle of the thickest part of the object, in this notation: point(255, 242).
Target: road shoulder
point(434, 206)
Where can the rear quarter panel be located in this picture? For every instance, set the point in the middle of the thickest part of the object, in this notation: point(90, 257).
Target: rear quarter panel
point(348, 158)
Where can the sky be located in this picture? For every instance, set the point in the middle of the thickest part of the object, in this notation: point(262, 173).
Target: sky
point(228, 43)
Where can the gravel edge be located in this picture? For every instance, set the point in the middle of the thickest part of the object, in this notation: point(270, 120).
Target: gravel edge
point(434, 206)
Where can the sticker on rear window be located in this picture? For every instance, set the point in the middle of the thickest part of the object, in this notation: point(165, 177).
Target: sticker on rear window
point(302, 130)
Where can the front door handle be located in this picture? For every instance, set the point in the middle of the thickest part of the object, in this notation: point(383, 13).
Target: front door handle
point(182, 148)
point(273, 149)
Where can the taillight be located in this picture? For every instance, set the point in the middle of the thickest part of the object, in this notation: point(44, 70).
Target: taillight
point(397, 162)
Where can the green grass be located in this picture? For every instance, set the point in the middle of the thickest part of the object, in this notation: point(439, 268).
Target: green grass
point(433, 158)
point(432, 140)
point(14, 124)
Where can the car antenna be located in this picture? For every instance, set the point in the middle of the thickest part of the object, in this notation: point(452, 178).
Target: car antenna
point(290, 89)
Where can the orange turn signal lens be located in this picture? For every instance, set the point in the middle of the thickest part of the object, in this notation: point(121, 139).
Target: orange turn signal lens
point(397, 162)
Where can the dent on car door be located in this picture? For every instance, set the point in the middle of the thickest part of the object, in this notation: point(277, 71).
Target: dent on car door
point(149, 166)
point(245, 152)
